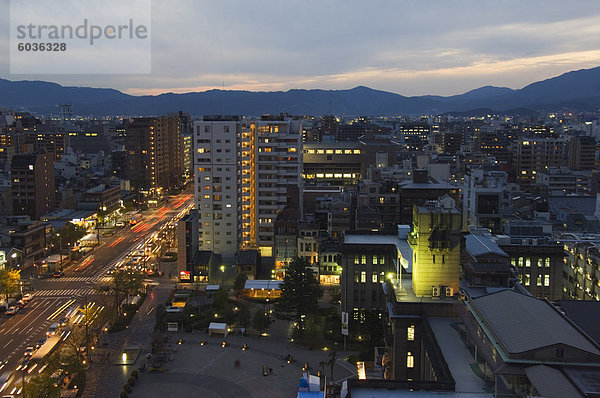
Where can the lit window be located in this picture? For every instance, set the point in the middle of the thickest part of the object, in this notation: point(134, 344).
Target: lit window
point(546, 280)
point(547, 262)
point(538, 280)
point(374, 259)
point(527, 279)
point(363, 276)
point(410, 360)
point(363, 259)
point(410, 333)
point(374, 277)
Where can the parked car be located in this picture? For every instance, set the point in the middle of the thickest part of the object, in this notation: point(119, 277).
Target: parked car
point(11, 311)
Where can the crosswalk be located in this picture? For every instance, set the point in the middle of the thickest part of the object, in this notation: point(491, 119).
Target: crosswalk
point(68, 292)
point(95, 278)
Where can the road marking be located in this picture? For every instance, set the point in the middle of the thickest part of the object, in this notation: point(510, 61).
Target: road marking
point(11, 329)
point(6, 345)
point(151, 309)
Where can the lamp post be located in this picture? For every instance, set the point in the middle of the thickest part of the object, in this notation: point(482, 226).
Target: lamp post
point(222, 274)
point(60, 250)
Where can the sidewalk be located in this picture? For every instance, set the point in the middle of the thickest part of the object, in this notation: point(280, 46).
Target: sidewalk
point(104, 379)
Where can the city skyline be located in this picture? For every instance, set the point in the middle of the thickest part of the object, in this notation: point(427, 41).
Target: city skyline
point(409, 49)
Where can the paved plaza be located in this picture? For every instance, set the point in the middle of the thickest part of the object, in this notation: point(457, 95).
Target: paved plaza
point(209, 370)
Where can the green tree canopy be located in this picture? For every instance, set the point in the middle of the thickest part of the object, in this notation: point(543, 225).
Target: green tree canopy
point(9, 281)
point(300, 291)
point(126, 282)
point(260, 321)
point(68, 234)
point(239, 283)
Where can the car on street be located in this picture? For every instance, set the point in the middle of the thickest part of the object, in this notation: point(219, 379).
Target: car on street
point(11, 311)
point(58, 274)
point(63, 321)
point(119, 224)
point(20, 304)
point(52, 330)
point(40, 342)
point(26, 297)
point(29, 351)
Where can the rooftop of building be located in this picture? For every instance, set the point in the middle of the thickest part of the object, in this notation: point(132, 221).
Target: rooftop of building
point(518, 329)
point(426, 185)
point(480, 245)
point(262, 284)
point(401, 244)
point(247, 257)
point(580, 312)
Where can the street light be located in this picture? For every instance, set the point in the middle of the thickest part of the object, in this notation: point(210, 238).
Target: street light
point(60, 250)
point(222, 274)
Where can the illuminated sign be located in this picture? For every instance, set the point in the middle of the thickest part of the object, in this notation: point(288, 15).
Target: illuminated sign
point(362, 374)
point(184, 275)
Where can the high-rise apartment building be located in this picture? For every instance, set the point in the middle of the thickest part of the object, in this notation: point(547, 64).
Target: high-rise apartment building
point(154, 149)
point(32, 182)
point(534, 155)
point(243, 169)
point(581, 153)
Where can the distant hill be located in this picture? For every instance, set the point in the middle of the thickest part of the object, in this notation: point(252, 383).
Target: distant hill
point(577, 90)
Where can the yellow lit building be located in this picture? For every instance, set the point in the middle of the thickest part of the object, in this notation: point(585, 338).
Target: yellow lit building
point(435, 241)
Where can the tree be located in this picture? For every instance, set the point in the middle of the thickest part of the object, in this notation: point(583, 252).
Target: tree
point(68, 234)
point(126, 282)
point(9, 281)
point(221, 298)
point(300, 292)
point(331, 362)
point(243, 316)
point(239, 283)
point(160, 314)
point(42, 386)
point(260, 321)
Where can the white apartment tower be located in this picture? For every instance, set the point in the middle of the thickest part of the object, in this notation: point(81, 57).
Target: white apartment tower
point(243, 169)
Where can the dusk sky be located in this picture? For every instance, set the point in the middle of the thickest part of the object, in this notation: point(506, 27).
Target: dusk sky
point(407, 47)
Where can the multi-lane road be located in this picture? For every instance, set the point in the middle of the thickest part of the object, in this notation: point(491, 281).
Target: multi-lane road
point(53, 297)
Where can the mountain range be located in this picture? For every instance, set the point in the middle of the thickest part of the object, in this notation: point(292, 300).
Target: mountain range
point(576, 91)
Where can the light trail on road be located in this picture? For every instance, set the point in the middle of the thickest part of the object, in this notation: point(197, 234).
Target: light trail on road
point(116, 242)
point(85, 263)
point(60, 309)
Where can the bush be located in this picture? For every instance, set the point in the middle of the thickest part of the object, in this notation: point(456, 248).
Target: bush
point(135, 374)
point(131, 381)
point(127, 387)
point(123, 394)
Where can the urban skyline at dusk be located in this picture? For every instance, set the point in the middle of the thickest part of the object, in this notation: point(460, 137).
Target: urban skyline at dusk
point(408, 48)
point(335, 198)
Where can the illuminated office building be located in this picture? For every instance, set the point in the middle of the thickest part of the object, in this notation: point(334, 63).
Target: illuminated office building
point(244, 174)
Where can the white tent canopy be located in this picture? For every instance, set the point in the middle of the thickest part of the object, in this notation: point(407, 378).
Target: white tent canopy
point(218, 328)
